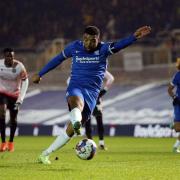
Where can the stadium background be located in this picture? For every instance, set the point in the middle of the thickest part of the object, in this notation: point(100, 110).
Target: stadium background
point(137, 104)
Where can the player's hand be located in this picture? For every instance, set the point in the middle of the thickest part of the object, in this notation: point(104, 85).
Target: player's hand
point(17, 106)
point(142, 31)
point(99, 100)
point(102, 92)
point(36, 78)
point(176, 101)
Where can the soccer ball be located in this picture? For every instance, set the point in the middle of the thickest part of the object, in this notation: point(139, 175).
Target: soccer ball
point(86, 149)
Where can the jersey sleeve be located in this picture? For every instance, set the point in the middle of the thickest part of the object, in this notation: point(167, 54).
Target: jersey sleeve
point(23, 73)
point(115, 47)
point(109, 79)
point(67, 52)
point(57, 60)
point(175, 79)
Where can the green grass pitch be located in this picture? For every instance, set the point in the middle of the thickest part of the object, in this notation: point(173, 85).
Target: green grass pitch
point(126, 158)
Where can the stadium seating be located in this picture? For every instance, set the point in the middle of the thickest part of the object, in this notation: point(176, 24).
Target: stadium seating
point(26, 23)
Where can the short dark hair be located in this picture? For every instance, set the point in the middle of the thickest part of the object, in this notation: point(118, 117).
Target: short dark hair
point(92, 30)
point(7, 50)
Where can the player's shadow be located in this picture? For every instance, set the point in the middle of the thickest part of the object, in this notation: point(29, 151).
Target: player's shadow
point(58, 170)
point(6, 166)
point(11, 166)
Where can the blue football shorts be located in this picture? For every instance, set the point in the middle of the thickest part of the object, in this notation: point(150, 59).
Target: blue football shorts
point(89, 98)
point(177, 113)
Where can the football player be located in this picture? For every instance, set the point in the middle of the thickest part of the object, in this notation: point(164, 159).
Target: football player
point(13, 87)
point(176, 103)
point(89, 63)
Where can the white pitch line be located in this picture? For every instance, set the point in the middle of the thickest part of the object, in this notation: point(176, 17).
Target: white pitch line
point(33, 93)
point(60, 119)
point(108, 102)
point(119, 97)
point(130, 93)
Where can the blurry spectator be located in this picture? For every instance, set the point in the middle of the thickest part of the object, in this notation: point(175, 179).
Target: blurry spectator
point(111, 27)
point(26, 25)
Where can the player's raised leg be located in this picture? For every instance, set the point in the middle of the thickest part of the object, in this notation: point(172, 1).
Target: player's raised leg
point(76, 106)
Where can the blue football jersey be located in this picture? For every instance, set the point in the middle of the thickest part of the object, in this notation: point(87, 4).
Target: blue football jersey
point(176, 82)
point(88, 68)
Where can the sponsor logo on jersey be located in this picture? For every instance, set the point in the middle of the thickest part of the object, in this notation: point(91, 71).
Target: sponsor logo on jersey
point(14, 70)
point(87, 59)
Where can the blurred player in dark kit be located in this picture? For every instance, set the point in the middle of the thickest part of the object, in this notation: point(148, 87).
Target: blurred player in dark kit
point(98, 112)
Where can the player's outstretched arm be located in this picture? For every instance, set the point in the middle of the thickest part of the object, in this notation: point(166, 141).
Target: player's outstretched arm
point(54, 62)
point(123, 43)
point(142, 32)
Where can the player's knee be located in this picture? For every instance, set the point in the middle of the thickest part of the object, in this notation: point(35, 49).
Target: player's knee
point(75, 102)
point(177, 127)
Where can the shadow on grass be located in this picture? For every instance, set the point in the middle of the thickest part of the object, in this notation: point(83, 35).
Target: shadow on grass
point(37, 167)
point(18, 165)
point(5, 166)
point(57, 170)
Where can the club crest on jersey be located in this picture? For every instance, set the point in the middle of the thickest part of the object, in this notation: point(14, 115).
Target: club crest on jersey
point(96, 52)
point(14, 70)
